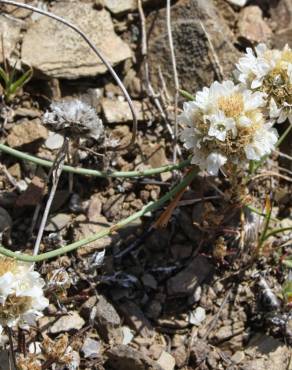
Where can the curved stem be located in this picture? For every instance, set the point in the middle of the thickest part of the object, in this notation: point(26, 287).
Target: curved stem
point(90, 172)
point(150, 207)
point(277, 231)
point(97, 53)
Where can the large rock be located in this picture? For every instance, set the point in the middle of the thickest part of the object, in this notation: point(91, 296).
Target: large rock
point(195, 60)
point(281, 14)
point(10, 30)
point(27, 134)
point(61, 52)
point(252, 26)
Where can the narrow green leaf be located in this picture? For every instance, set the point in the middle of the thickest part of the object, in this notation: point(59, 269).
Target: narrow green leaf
point(186, 94)
point(20, 82)
point(288, 263)
point(4, 76)
point(268, 209)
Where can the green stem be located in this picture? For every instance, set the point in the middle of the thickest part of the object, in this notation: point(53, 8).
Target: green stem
point(288, 262)
point(89, 172)
point(150, 207)
point(277, 231)
point(260, 213)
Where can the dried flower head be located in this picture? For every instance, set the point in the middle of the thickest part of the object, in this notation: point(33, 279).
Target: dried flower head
point(74, 117)
point(225, 124)
point(59, 281)
point(59, 351)
point(21, 293)
point(29, 362)
point(269, 71)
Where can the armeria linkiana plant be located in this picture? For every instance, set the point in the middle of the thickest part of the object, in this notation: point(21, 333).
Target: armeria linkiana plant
point(74, 118)
point(21, 293)
point(225, 124)
point(269, 71)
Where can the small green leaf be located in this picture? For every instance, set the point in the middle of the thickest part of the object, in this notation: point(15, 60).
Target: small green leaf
point(186, 95)
point(4, 76)
point(20, 82)
point(287, 262)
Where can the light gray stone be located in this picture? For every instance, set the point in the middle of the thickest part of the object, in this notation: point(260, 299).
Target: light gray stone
point(166, 361)
point(72, 321)
point(116, 111)
point(240, 3)
point(91, 348)
point(57, 51)
point(119, 7)
point(10, 30)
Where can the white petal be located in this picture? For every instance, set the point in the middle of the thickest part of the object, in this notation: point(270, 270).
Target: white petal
point(214, 162)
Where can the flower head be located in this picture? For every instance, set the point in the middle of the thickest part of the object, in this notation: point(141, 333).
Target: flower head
point(21, 293)
point(225, 123)
point(269, 71)
point(75, 118)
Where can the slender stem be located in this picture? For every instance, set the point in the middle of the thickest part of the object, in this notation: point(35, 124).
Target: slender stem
point(150, 207)
point(97, 53)
point(12, 353)
point(56, 173)
point(260, 213)
point(90, 172)
point(277, 231)
point(175, 77)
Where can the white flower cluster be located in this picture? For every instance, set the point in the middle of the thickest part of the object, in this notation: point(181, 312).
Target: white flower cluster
point(232, 123)
point(75, 118)
point(21, 293)
point(269, 71)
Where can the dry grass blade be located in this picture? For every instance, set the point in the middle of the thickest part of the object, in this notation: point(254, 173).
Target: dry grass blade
point(97, 53)
point(175, 77)
point(56, 173)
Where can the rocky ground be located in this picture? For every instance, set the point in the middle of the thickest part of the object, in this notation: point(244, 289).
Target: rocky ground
point(188, 296)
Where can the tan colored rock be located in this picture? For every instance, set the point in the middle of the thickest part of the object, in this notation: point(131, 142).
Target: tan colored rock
point(61, 52)
point(123, 357)
point(26, 133)
point(10, 30)
point(116, 111)
point(252, 26)
point(84, 228)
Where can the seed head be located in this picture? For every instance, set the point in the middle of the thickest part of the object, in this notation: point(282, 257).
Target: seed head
point(74, 118)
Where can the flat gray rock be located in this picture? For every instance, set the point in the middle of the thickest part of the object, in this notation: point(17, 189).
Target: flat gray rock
point(57, 51)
